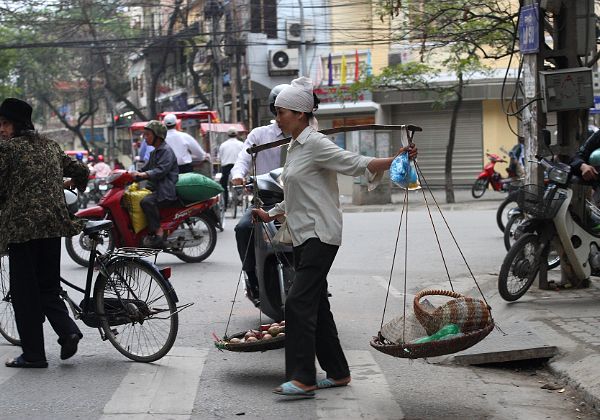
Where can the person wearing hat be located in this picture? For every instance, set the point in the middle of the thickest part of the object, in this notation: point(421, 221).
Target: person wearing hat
point(228, 153)
point(33, 218)
point(312, 209)
point(185, 147)
point(162, 172)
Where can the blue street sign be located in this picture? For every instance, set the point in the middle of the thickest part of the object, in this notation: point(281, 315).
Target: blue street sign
point(529, 40)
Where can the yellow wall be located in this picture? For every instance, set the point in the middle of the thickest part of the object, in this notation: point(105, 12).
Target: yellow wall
point(346, 19)
point(496, 132)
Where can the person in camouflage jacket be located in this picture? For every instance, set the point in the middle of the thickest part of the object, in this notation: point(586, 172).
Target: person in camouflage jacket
point(33, 218)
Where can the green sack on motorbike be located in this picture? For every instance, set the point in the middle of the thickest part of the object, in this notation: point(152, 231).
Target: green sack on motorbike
point(192, 187)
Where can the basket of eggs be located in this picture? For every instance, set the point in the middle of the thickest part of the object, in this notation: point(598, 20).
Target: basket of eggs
point(267, 337)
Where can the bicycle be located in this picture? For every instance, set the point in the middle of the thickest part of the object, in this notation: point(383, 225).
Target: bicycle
point(133, 304)
point(239, 197)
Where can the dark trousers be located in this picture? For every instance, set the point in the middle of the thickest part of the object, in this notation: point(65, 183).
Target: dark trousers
point(225, 171)
point(186, 168)
point(244, 237)
point(35, 287)
point(309, 326)
point(150, 206)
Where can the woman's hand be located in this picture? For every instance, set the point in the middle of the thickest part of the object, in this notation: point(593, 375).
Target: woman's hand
point(412, 151)
point(262, 215)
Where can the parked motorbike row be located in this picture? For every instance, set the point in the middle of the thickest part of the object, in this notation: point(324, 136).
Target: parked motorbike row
point(543, 227)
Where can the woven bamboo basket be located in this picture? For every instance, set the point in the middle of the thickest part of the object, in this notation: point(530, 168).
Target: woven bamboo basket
point(432, 348)
point(254, 346)
point(468, 313)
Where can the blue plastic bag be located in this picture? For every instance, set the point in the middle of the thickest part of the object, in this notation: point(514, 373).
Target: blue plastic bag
point(402, 171)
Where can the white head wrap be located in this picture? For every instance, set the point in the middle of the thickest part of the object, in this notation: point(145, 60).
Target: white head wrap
point(298, 97)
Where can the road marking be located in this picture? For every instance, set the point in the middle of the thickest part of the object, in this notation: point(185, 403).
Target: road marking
point(367, 396)
point(164, 389)
point(393, 291)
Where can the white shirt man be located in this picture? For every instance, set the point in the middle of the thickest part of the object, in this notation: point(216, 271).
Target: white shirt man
point(186, 149)
point(266, 160)
point(229, 151)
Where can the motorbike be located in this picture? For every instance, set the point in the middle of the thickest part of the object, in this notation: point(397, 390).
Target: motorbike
point(95, 190)
point(190, 228)
point(274, 261)
point(489, 176)
point(550, 225)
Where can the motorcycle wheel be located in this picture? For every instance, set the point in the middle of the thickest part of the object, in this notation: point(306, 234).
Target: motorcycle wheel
point(205, 228)
point(520, 267)
point(479, 187)
point(511, 236)
point(502, 212)
point(79, 247)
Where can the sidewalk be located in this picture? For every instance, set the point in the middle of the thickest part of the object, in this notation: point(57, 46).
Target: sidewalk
point(568, 319)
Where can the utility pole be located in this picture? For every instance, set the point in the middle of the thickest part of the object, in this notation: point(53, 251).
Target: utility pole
point(302, 40)
point(213, 10)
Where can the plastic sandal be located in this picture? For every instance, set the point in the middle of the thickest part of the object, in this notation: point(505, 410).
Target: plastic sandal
point(329, 383)
point(20, 362)
point(288, 389)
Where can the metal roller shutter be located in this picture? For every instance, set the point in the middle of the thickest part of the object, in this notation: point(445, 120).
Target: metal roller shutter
point(468, 147)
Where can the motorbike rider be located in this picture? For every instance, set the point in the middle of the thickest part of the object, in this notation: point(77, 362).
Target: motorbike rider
point(266, 161)
point(102, 169)
point(228, 153)
point(162, 172)
point(580, 161)
point(517, 158)
point(185, 147)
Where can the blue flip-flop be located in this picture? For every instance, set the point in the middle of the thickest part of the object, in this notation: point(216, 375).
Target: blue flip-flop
point(288, 389)
point(329, 383)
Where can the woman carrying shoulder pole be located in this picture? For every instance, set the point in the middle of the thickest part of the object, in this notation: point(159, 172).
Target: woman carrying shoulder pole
point(314, 217)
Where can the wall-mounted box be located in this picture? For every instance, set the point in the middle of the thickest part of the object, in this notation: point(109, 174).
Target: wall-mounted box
point(567, 89)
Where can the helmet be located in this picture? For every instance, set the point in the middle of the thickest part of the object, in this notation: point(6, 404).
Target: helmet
point(594, 159)
point(79, 156)
point(90, 158)
point(232, 132)
point(100, 158)
point(170, 120)
point(157, 128)
point(274, 92)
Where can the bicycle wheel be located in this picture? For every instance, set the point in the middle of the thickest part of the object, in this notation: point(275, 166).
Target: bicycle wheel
point(510, 230)
point(520, 267)
point(140, 314)
point(479, 187)
point(8, 326)
point(79, 247)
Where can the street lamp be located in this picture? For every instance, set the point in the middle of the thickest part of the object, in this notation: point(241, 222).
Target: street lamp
point(302, 40)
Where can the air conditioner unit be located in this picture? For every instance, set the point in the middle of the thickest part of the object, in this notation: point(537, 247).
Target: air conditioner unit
point(293, 31)
point(283, 62)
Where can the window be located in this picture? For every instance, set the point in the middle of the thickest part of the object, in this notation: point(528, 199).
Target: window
point(263, 17)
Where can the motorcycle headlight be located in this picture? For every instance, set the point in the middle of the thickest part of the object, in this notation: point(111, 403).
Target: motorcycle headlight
point(559, 175)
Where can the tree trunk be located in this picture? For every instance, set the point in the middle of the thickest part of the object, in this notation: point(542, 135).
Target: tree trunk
point(451, 140)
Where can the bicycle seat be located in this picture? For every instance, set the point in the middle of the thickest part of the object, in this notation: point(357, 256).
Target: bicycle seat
point(93, 226)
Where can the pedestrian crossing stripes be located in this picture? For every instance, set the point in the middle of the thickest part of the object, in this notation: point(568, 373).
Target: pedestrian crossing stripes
point(165, 389)
point(367, 396)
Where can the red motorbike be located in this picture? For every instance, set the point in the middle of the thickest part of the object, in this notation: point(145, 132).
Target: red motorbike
point(489, 176)
point(190, 229)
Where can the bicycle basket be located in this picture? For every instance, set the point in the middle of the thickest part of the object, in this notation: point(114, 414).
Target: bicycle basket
point(539, 202)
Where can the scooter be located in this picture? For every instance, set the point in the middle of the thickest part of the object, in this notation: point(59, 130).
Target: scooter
point(489, 176)
point(274, 261)
point(190, 228)
point(550, 225)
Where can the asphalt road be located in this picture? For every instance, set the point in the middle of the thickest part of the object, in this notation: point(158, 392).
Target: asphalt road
point(197, 381)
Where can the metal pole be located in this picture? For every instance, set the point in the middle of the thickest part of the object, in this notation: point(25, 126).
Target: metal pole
point(302, 40)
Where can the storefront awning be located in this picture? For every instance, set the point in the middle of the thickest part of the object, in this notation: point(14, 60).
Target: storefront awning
point(347, 108)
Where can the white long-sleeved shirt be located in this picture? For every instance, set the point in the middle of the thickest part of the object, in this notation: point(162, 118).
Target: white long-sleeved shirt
point(312, 198)
point(229, 151)
point(185, 147)
point(266, 160)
